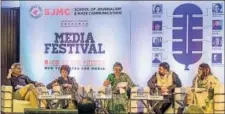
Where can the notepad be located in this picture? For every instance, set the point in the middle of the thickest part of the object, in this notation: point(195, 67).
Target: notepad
point(122, 85)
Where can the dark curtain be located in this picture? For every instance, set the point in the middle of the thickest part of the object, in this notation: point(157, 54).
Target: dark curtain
point(10, 38)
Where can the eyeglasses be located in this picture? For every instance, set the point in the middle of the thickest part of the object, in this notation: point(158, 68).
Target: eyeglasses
point(117, 69)
point(18, 68)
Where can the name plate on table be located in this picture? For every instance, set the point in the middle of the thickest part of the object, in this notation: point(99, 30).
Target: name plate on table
point(63, 97)
point(54, 97)
point(139, 97)
point(151, 97)
point(98, 96)
point(46, 97)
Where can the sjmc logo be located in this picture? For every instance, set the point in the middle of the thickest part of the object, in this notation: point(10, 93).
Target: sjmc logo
point(35, 11)
point(187, 34)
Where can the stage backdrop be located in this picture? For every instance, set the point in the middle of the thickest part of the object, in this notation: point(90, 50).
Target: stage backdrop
point(91, 36)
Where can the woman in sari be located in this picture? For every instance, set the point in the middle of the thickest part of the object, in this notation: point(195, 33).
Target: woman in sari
point(120, 103)
point(198, 100)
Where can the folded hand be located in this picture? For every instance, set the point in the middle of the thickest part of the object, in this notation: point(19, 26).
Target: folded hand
point(18, 86)
point(67, 85)
point(164, 90)
point(39, 84)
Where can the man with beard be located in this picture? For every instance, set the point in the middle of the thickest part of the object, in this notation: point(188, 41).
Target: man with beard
point(217, 25)
point(163, 83)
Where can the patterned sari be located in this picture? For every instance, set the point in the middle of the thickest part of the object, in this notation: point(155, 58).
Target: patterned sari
point(119, 103)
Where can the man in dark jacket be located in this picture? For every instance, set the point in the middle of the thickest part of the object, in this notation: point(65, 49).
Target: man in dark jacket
point(163, 83)
point(23, 87)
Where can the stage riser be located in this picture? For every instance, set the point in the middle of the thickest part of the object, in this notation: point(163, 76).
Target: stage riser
point(35, 112)
point(29, 111)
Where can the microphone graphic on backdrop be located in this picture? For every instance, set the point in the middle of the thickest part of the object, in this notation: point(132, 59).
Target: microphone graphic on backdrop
point(187, 34)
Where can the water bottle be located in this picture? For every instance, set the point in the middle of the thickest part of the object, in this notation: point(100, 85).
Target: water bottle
point(137, 85)
point(157, 89)
point(140, 91)
point(39, 90)
point(108, 90)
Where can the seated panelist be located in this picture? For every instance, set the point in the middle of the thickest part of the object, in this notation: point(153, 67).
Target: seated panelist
point(68, 85)
point(202, 100)
point(23, 87)
point(120, 105)
point(163, 82)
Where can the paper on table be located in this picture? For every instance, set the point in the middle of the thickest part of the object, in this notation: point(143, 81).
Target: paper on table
point(122, 90)
point(199, 89)
point(122, 84)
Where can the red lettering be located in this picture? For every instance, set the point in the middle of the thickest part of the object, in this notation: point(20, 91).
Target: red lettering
point(57, 62)
point(47, 12)
point(67, 11)
point(58, 11)
point(46, 62)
